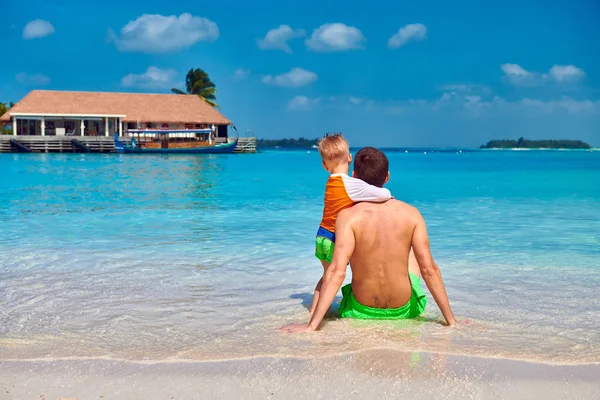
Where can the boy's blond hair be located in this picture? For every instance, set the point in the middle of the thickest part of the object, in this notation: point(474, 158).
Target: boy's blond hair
point(333, 147)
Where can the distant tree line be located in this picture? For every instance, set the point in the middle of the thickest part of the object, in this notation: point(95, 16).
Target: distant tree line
point(287, 143)
point(523, 143)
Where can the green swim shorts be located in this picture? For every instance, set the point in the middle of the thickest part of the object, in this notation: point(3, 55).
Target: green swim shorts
point(350, 308)
point(324, 249)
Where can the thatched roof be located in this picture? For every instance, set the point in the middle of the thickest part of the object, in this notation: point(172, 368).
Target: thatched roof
point(169, 108)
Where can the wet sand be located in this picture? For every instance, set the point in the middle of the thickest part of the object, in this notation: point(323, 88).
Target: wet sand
point(380, 374)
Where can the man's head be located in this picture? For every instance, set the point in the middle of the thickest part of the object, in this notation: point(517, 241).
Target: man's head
point(372, 166)
point(334, 150)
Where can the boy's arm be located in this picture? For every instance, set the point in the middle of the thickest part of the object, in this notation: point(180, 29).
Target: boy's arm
point(359, 190)
point(430, 271)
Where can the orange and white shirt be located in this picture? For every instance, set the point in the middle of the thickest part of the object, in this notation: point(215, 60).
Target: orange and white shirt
point(343, 191)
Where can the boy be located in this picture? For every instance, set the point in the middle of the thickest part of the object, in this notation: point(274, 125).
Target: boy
point(341, 192)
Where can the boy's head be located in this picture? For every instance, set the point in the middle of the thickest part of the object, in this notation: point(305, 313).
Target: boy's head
point(335, 151)
point(371, 166)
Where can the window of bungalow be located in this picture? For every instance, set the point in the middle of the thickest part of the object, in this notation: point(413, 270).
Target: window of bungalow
point(50, 128)
point(70, 127)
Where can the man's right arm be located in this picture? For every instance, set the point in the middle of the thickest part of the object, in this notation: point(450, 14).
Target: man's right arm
point(429, 269)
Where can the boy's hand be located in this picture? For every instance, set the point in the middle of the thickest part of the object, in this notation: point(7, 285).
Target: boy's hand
point(295, 328)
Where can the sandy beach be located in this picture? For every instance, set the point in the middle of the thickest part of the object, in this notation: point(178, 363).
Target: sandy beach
point(382, 374)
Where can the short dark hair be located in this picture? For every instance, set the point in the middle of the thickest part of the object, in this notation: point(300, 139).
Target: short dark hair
point(371, 165)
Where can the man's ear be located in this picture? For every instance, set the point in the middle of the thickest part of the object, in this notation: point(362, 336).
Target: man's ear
point(349, 158)
point(324, 165)
point(387, 179)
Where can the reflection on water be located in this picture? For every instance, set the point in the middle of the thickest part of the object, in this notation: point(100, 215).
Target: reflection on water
point(205, 257)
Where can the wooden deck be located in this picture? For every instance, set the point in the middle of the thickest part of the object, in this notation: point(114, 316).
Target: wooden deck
point(57, 144)
point(78, 144)
point(246, 145)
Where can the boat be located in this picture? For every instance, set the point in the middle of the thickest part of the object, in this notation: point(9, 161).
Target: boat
point(173, 141)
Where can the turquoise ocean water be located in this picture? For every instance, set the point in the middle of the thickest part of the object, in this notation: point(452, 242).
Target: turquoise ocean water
point(204, 257)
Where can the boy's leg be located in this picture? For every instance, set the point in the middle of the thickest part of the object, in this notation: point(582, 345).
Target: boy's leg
point(324, 252)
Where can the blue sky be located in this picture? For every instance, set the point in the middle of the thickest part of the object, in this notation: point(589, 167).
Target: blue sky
point(420, 73)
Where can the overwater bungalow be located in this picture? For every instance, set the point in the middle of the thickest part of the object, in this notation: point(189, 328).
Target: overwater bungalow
point(49, 120)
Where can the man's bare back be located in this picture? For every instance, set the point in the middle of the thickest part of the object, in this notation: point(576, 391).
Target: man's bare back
point(380, 261)
point(383, 242)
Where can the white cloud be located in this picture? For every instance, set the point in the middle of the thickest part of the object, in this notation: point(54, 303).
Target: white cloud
point(463, 105)
point(302, 103)
point(564, 104)
point(162, 34)
point(153, 78)
point(474, 106)
point(466, 88)
point(37, 29)
point(410, 32)
point(566, 73)
point(348, 101)
point(276, 39)
point(294, 78)
point(519, 76)
point(340, 102)
point(335, 37)
point(514, 70)
point(241, 73)
point(32, 80)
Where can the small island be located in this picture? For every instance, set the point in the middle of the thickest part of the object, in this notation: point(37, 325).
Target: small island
point(535, 144)
point(287, 143)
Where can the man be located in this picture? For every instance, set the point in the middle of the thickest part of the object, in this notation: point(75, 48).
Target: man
point(377, 238)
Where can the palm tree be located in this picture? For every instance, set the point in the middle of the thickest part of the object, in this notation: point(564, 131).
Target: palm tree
point(4, 107)
point(197, 82)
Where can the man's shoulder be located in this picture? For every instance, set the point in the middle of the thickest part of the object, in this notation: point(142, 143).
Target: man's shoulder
point(401, 207)
point(350, 214)
point(401, 204)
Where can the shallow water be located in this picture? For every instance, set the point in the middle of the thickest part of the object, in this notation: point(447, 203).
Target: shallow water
point(175, 257)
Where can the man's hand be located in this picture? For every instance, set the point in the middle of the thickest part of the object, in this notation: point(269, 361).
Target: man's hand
point(295, 328)
point(461, 322)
